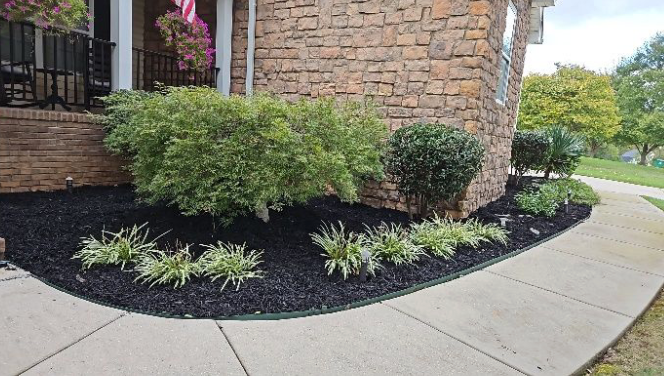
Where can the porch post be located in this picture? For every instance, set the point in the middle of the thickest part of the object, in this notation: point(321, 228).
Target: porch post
point(223, 44)
point(121, 34)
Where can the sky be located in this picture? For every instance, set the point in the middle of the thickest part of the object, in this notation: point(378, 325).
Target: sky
point(594, 33)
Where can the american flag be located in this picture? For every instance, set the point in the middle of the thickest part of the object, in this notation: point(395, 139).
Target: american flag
point(188, 9)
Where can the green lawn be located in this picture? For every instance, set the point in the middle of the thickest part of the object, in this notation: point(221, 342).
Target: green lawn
point(640, 351)
point(621, 171)
point(655, 201)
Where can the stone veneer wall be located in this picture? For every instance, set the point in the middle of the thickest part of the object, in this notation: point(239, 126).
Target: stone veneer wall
point(420, 61)
point(40, 149)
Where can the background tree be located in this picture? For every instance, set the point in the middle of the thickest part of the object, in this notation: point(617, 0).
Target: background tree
point(573, 97)
point(639, 84)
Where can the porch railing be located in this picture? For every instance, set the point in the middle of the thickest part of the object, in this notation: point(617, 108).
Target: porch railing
point(46, 70)
point(152, 67)
point(73, 70)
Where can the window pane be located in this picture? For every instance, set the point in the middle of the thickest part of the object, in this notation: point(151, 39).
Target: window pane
point(501, 93)
point(509, 30)
point(508, 41)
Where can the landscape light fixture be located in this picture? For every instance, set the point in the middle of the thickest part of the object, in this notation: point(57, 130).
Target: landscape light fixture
point(567, 200)
point(70, 184)
point(366, 255)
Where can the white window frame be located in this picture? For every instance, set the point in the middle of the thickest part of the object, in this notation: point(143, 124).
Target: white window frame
point(506, 58)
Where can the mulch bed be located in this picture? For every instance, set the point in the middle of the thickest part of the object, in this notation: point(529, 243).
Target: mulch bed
point(43, 231)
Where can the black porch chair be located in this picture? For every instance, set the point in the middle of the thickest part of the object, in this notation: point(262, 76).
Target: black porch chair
point(17, 80)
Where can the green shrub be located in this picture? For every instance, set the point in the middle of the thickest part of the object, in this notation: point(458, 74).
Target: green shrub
point(117, 120)
point(431, 162)
point(545, 199)
point(442, 236)
point(564, 153)
point(581, 193)
point(175, 268)
point(230, 261)
point(227, 156)
point(537, 202)
point(528, 151)
point(119, 248)
point(392, 243)
point(343, 250)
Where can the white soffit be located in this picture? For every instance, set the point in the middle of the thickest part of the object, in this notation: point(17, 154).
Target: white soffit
point(536, 32)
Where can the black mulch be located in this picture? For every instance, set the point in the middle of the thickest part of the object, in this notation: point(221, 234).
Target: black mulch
point(43, 231)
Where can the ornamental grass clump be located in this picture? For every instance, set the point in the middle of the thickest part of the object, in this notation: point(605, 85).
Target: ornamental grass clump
point(443, 236)
point(392, 243)
point(116, 248)
point(230, 261)
point(343, 249)
point(174, 268)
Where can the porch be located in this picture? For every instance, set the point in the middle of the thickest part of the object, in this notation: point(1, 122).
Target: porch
point(122, 49)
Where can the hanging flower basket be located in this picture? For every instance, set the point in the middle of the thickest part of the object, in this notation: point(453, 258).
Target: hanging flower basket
point(191, 42)
point(51, 15)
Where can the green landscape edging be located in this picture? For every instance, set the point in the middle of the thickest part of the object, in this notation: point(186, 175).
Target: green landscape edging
point(322, 311)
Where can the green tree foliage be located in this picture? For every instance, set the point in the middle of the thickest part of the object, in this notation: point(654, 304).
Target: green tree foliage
point(227, 156)
point(432, 162)
point(578, 99)
point(639, 83)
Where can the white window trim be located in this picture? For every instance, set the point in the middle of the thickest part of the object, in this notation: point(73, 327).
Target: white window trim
point(507, 57)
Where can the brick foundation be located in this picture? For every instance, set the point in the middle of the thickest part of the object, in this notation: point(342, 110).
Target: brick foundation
point(40, 149)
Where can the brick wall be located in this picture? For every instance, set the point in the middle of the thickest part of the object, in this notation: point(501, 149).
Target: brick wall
point(420, 61)
point(40, 149)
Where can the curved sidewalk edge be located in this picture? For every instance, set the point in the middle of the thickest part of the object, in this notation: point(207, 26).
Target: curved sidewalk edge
point(548, 311)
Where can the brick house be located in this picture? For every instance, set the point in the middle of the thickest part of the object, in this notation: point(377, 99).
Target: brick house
point(457, 62)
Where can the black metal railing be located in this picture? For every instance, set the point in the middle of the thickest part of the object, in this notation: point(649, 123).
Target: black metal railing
point(152, 67)
point(44, 69)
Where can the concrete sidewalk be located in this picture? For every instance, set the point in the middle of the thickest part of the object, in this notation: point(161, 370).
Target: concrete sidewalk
point(620, 187)
point(548, 311)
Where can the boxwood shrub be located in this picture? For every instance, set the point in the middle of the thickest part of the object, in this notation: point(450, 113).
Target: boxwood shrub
point(226, 156)
point(529, 149)
point(432, 162)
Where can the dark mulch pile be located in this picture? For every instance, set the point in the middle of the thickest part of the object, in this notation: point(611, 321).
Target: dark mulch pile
point(43, 231)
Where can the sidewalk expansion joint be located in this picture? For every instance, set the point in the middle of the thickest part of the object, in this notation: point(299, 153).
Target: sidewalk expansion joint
point(237, 356)
point(457, 339)
point(632, 215)
point(73, 343)
point(576, 231)
point(626, 227)
point(603, 262)
point(563, 295)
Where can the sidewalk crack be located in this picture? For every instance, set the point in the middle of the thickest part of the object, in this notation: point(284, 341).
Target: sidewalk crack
point(237, 356)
